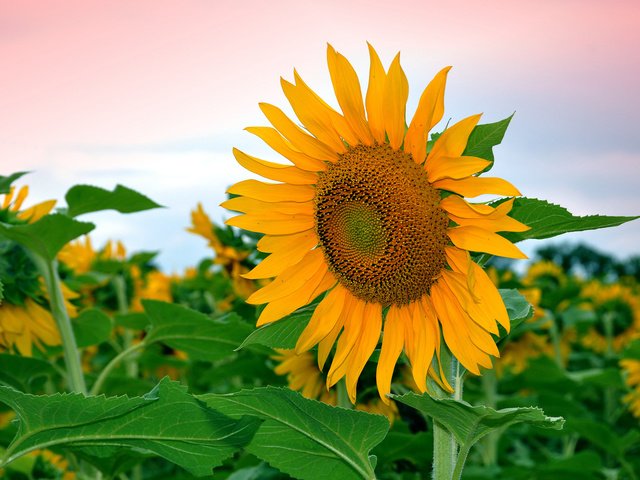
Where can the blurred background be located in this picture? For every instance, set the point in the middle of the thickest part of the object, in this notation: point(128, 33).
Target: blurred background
point(155, 94)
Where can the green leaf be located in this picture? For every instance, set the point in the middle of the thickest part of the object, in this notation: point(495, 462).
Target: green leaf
point(1, 292)
point(134, 321)
point(548, 220)
point(484, 137)
point(202, 337)
point(24, 373)
point(283, 333)
point(401, 444)
point(518, 308)
point(468, 423)
point(305, 438)
point(91, 327)
point(632, 351)
point(47, 236)
point(5, 182)
point(167, 422)
point(87, 198)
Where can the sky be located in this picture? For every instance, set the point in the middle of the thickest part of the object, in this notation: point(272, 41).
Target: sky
point(155, 94)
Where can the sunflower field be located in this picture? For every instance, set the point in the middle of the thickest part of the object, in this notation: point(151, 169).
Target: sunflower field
point(358, 317)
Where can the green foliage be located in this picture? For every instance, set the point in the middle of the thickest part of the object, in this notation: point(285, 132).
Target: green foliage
point(167, 422)
point(195, 333)
point(91, 327)
point(484, 137)
point(83, 199)
point(283, 333)
point(470, 423)
point(47, 236)
point(5, 182)
point(334, 442)
point(24, 373)
point(548, 220)
point(518, 308)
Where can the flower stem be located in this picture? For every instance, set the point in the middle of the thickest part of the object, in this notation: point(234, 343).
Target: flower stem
point(446, 460)
point(75, 377)
point(123, 308)
point(97, 386)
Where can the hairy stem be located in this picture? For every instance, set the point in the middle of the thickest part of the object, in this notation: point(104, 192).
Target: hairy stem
point(75, 377)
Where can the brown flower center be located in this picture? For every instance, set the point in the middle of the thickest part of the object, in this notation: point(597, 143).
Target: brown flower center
point(380, 225)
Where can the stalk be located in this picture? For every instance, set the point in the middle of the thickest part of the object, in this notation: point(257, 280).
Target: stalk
point(489, 387)
point(75, 377)
point(447, 463)
point(119, 284)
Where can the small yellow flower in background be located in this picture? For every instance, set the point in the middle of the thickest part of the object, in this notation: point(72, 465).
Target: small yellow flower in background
point(617, 304)
point(155, 286)
point(24, 318)
point(229, 257)
point(304, 375)
point(365, 213)
point(545, 273)
point(31, 214)
point(632, 378)
point(78, 255)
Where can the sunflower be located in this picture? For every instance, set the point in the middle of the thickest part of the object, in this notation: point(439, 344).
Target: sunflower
point(304, 375)
point(617, 304)
point(631, 368)
point(373, 217)
point(232, 259)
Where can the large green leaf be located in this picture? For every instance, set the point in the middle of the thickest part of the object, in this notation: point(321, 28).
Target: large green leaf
point(91, 327)
point(167, 422)
point(197, 334)
point(283, 333)
point(48, 235)
point(5, 182)
point(305, 438)
point(548, 220)
point(518, 308)
point(470, 423)
point(484, 137)
point(87, 198)
point(24, 373)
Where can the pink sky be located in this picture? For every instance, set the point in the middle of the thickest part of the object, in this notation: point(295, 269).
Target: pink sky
point(154, 94)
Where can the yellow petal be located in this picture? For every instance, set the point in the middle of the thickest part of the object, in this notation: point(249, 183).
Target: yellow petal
point(275, 171)
point(22, 195)
point(326, 344)
point(348, 93)
point(283, 306)
point(454, 167)
point(425, 341)
point(459, 206)
point(273, 192)
point(273, 223)
point(283, 243)
point(298, 138)
point(474, 186)
point(375, 96)
point(458, 286)
point(277, 262)
point(324, 319)
point(453, 140)
point(453, 328)
point(504, 224)
point(276, 141)
point(476, 239)
point(291, 279)
point(35, 213)
point(490, 295)
point(338, 121)
point(313, 117)
point(352, 326)
point(392, 343)
point(396, 92)
point(429, 112)
point(251, 205)
point(364, 347)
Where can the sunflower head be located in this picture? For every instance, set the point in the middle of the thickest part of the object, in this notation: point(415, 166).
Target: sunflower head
point(368, 215)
